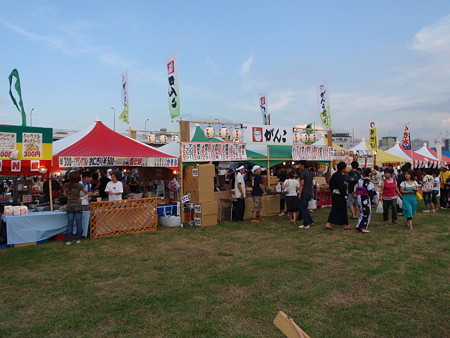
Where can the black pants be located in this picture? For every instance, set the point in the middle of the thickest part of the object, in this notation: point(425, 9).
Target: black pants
point(240, 209)
point(444, 198)
point(389, 204)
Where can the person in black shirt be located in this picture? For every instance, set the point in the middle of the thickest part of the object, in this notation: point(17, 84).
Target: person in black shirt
point(257, 192)
point(305, 194)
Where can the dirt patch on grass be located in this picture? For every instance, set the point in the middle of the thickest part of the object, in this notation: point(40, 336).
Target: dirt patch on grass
point(348, 297)
point(234, 293)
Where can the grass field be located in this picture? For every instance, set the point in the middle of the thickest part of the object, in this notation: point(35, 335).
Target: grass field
point(231, 280)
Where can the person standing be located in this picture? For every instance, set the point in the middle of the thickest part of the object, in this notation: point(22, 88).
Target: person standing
point(338, 187)
point(114, 188)
point(408, 188)
point(366, 196)
point(436, 187)
point(352, 178)
point(104, 180)
point(389, 194)
point(86, 179)
point(427, 189)
point(239, 191)
point(257, 193)
point(291, 187)
point(74, 210)
point(305, 193)
point(281, 175)
point(443, 177)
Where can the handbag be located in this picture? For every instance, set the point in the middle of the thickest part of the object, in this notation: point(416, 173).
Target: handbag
point(379, 208)
point(419, 196)
point(279, 188)
point(286, 187)
point(312, 204)
point(399, 202)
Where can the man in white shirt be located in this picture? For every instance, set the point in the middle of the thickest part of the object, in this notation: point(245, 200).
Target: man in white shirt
point(114, 188)
point(239, 191)
point(86, 179)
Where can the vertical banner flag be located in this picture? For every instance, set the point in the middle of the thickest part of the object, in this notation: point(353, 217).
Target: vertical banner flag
point(18, 89)
point(263, 107)
point(406, 141)
point(174, 95)
point(373, 137)
point(324, 103)
point(124, 116)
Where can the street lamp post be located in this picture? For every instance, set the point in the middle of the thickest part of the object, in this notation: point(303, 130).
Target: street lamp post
point(145, 126)
point(31, 117)
point(114, 117)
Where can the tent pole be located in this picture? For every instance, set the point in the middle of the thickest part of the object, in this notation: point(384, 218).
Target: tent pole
point(50, 193)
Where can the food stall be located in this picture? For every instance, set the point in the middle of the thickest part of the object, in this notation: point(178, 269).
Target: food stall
point(100, 146)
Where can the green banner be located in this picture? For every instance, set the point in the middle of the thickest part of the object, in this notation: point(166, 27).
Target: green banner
point(19, 106)
point(124, 115)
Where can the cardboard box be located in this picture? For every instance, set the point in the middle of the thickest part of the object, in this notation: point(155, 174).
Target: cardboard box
point(206, 170)
point(320, 180)
point(205, 220)
point(206, 208)
point(203, 195)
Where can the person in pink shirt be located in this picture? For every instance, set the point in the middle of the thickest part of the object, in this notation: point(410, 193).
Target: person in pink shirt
point(389, 194)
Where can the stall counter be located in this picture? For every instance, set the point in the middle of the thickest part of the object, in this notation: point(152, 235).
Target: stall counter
point(37, 226)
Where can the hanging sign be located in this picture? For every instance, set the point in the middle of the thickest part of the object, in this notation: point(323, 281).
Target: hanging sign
point(323, 103)
point(32, 145)
point(263, 107)
point(173, 92)
point(406, 141)
point(212, 151)
point(103, 161)
point(7, 144)
point(373, 137)
point(312, 153)
point(265, 135)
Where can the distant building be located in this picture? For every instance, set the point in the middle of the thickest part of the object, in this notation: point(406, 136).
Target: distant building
point(446, 146)
point(59, 134)
point(417, 143)
point(343, 140)
point(387, 142)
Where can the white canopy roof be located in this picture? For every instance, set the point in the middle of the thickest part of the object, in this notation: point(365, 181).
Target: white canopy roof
point(362, 147)
point(397, 151)
point(425, 151)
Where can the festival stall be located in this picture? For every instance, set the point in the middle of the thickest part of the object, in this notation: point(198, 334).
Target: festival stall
point(100, 146)
point(418, 160)
point(365, 155)
point(428, 152)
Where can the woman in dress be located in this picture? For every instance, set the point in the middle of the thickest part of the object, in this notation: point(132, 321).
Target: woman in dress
point(338, 214)
point(290, 187)
point(408, 188)
point(366, 195)
point(389, 194)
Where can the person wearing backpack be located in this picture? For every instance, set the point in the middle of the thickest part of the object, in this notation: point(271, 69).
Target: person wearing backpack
point(352, 178)
point(427, 189)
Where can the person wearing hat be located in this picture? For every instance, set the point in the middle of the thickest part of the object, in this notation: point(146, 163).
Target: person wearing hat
point(239, 191)
point(257, 192)
point(444, 176)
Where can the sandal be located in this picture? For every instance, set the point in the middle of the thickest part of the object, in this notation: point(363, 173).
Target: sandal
point(328, 228)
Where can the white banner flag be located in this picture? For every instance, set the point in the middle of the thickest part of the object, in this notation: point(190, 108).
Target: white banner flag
point(324, 103)
point(263, 106)
point(124, 116)
point(173, 92)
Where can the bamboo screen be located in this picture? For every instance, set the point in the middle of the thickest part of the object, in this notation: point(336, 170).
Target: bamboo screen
point(120, 217)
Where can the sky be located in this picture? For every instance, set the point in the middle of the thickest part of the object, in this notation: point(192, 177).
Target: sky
point(386, 62)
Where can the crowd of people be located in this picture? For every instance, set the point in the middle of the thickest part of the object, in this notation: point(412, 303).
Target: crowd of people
point(354, 193)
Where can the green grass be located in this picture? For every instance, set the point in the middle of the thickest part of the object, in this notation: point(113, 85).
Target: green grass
point(231, 280)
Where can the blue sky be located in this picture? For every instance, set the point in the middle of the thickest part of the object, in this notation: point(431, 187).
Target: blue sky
point(385, 61)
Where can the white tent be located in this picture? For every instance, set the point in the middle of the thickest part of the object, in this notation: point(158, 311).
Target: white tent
point(425, 151)
point(362, 147)
point(396, 150)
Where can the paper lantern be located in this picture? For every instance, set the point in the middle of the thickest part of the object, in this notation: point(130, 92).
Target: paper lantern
point(312, 138)
point(151, 138)
point(209, 132)
point(236, 134)
point(174, 138)
point(297, 137)
point(163, 139)
point(304, 138)
point(224, 133)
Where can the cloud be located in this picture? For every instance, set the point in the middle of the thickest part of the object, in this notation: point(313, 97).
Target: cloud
point(435, 39)
point(245, 67)
point(72, 38)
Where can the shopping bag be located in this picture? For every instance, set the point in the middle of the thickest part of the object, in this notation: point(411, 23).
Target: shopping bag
point(399, 202)
point(279, 188)
point(312, 204)
point(379, 208)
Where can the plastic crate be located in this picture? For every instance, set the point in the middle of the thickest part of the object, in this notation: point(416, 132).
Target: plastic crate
point(167, 209)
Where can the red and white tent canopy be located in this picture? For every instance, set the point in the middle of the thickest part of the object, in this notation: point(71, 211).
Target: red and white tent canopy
point(427, 151)
point(420, 161)
point(100, 146)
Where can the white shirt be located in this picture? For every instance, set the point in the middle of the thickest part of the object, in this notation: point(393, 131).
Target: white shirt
point(84, 196)
point(293, 186)
point(114, 187)
point(239, 179)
